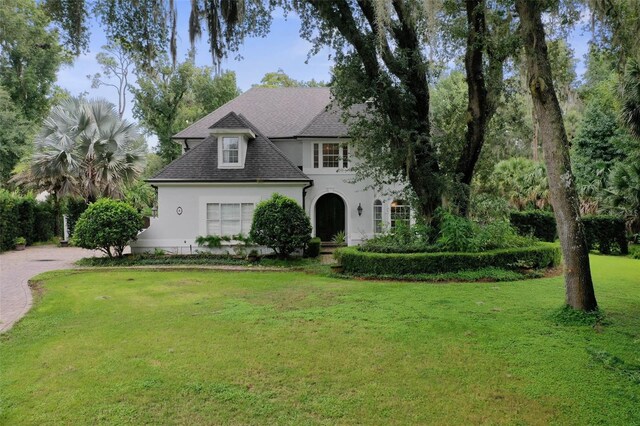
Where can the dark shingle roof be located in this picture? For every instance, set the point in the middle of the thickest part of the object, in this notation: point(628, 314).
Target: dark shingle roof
point(277, 112)
point(330, 123)
point(264, 161)
point(229, 121)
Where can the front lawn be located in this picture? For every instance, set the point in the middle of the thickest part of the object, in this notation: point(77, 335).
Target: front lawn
point(202, 347)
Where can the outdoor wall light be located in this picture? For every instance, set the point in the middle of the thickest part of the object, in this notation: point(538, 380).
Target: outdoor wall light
point(359, 209)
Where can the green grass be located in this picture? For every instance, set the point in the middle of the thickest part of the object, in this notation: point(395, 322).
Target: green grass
point(203, 347)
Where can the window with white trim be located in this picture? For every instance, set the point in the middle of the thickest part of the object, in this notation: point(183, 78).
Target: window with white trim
point(377, 216)
point(230, 150)
point(228, 219)
point(400, 213)
point(330, 155)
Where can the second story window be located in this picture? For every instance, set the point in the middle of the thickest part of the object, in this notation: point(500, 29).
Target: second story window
point(330, 156)
point(230, 150)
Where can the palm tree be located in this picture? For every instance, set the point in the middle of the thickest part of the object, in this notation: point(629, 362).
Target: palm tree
point(624, 192)
point(631, 96)
point(85, 149)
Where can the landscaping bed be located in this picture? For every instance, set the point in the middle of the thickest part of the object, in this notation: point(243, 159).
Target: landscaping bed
point(357, 262)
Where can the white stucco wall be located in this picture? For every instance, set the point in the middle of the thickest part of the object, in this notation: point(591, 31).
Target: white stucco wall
point(176, 233)
point(339, 181)
point(292, 148)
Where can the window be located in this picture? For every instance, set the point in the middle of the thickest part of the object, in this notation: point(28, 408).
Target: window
point(400, 213)
point(377, 216)
point(330, 155)
point(229, 219)
point(230, 150)
point(316, 155)
point(345, 157)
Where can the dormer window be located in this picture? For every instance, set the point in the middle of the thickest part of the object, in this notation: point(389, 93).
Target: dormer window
point(232, 146)
point(230, 150)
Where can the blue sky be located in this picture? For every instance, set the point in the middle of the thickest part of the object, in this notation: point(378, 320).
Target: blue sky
point(282, 48)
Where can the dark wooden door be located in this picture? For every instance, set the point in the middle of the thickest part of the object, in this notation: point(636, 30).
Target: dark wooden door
point(330, 214)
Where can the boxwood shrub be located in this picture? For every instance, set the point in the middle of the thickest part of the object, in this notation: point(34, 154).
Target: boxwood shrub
point(539, 223)
point(313, 248)
point(357, 262)
point(605, 233)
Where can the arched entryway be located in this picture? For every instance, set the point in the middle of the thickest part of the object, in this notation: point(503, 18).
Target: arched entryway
point(330, 216)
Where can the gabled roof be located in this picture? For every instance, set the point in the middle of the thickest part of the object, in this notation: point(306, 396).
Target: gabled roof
point(277, 112)
point(229, 121)
point(264, 161)
point(329, 123)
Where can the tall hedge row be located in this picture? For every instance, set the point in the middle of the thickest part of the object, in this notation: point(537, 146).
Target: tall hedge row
point(354, 261)
point(606, 234)
point(23, 216)
point(541, 224)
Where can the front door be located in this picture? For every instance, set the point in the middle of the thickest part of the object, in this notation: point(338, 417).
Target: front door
point(330, 215)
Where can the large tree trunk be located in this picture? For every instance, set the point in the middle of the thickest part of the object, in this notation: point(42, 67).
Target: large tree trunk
point(477, 111)
point(564, 197)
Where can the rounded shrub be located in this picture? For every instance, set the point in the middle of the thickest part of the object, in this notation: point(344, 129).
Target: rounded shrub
point(280, 224)
point(357, 262)
point(107, 225)
point(313, 248)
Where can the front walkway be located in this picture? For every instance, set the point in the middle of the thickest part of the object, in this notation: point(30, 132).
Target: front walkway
point(17, 267)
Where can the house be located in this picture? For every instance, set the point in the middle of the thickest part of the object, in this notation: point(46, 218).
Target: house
point(285, 140)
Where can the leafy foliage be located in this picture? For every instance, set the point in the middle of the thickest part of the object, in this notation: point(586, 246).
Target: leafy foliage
point(30, 56)
point(107, 225)
point(600, 143)
point(624, 191)
point(455, 234)
point(14, 137)
point(522, 182)
point(172, 97)
point(281, 79)
point(402, 239)
point(280, 224)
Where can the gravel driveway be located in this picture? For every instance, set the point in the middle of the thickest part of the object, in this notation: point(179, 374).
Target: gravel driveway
point(17, 267)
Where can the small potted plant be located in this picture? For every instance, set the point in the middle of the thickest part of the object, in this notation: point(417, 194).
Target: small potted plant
point(20, 243)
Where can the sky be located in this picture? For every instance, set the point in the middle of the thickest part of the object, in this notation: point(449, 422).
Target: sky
point(281, 49)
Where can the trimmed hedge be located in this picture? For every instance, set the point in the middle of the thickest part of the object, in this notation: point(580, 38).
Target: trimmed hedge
point(603, 232)
point(354, 261)
point(23, 216)
point(539, 223)
point(313, 248)
point(606, 232)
